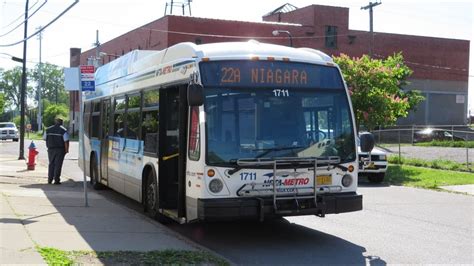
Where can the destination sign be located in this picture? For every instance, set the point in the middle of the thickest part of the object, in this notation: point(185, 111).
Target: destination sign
point(281, 74)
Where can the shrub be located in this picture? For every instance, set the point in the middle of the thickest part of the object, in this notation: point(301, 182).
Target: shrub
point(52, 111)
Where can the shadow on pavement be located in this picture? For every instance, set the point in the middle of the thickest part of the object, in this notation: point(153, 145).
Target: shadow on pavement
point(363, 182)
point(242, 242)
point(275, 242)
point(15, 221)
point(56, 216)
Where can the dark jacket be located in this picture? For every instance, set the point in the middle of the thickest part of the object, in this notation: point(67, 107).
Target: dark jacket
point(55, 136)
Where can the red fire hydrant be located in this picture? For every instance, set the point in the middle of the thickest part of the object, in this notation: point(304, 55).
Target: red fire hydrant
point(31, 156)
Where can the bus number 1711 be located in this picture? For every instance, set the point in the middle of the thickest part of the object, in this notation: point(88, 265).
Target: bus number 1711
point(281, 93)
point(248, 176)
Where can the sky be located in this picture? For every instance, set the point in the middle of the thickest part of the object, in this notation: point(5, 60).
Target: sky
point(77, 27)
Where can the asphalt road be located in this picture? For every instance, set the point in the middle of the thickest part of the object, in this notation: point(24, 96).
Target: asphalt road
point(398, 225)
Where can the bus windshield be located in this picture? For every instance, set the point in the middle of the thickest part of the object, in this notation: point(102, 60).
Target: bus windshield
point(245, 123)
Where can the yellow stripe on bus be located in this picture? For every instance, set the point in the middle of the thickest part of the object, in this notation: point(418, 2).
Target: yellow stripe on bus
point(165, 158)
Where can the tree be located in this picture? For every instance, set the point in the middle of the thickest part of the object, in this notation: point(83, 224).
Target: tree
point(52, 80)
point(17, 120)
point(52, 111)
point(375, 86)
point(10, 82)
point(2, 103)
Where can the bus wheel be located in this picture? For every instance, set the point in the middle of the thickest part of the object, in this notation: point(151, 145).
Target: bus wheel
point(95, 175)
point(376, 178)
point(151, 196)
point(151, 200)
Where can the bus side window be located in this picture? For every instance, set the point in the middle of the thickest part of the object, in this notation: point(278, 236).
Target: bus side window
point(150, 121)
point(194, 134)
point(87, 118)
point(95, 125)
point(119, 117)
point(133, 116)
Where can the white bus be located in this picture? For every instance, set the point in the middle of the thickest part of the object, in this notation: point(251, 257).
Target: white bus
point(223, 131)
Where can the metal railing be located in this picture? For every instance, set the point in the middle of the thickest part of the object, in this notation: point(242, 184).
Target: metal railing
point(405, 141)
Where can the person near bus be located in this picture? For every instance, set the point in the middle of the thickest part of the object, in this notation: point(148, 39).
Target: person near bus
point(57, 142)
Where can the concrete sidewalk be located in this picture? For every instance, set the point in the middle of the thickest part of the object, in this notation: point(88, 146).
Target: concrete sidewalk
point(33, 213)
point(469, 189)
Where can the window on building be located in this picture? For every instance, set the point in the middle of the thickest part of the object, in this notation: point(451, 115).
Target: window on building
point(331, 36)
point(150, 121)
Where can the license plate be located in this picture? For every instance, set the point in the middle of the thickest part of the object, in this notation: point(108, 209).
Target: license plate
point(371, 166)
point(324, 180)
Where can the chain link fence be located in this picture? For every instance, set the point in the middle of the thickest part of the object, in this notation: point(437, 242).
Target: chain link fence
point(444, 146)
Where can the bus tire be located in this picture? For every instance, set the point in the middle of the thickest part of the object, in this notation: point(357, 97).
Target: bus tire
point(376, 178)
point(151, 196)
point(151, 200)
point(95, 183)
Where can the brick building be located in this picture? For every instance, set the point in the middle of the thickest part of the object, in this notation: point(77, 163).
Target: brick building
point(440, 65)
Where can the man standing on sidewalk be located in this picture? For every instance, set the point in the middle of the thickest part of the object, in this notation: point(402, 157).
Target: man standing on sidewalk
point(57, 142)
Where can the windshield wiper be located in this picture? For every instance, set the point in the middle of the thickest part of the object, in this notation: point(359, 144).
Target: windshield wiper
point(268, 150)
point(235, 169)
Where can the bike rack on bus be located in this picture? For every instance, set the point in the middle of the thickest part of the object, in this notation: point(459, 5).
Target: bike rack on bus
point(295, 195)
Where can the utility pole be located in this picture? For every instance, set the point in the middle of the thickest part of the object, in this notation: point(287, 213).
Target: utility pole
point(371, 13)
point(40, 75)
point(23, 89)
point(96, 62)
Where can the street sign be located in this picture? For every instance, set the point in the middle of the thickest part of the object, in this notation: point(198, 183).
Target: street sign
point(87, 78)
point(72, 79)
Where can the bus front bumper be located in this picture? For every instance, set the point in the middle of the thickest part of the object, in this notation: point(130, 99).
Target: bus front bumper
point(261, 208)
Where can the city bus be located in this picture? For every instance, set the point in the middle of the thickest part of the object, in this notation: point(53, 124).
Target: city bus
point(223, 131)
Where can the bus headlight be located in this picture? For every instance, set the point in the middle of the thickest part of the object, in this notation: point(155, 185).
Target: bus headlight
point(346, 180)
point(216, 185)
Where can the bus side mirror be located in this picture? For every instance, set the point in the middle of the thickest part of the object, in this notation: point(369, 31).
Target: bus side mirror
point(195, 95)
point(367, 142)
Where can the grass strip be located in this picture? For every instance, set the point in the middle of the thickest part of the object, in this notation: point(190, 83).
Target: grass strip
point(413, 176)
point(446, 143)
point(54, 256)
point(39, 136)
point(435, 164)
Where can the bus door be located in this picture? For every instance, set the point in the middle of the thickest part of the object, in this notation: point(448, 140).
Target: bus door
point(104, 139)
point(169, 149)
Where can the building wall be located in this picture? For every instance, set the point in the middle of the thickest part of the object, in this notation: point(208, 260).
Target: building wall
point(440, 66)
point(151, 36)
point(445, 103)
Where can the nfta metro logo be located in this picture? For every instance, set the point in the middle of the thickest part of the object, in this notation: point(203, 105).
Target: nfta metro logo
point(289, 179)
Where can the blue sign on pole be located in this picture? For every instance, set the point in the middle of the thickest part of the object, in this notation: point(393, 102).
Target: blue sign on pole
point(88, 85)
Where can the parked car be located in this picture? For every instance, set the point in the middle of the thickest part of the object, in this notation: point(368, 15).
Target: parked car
point(429, 134)
point(377, 167)
point(8, 130)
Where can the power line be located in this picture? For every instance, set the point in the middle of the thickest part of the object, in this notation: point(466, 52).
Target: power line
point(23, 22)
point(21, 16)
point(242, 36)
point(47, 25)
